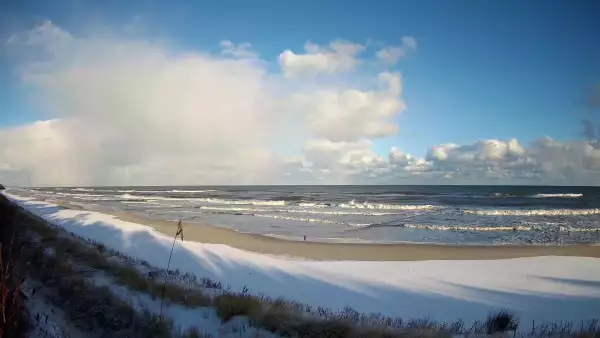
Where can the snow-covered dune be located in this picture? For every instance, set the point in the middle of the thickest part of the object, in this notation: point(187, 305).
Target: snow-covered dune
point(540, 288)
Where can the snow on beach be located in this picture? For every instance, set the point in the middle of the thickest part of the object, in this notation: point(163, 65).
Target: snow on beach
point(540, 288)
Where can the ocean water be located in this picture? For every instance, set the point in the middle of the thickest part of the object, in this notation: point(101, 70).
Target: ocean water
point(432, 214)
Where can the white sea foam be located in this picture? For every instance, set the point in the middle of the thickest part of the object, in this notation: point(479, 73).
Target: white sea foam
point(307, 206)
point(312, 220)
point(300, 211)
point(558, 195)
point(83, 189)
point(313, 205)
point(75, 194)
point(350, 205)
point(138, 191)
point(130, 197)
point(193, 191)
point(466, 227)
point(238, 202)
point(539, 227)
point(84, 196)
point(366, 205)
point(569, 195)
point(160, 191)
point(217, 201)
point(534, 212)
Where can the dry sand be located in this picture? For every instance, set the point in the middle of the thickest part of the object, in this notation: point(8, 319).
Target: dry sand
point(350, 251)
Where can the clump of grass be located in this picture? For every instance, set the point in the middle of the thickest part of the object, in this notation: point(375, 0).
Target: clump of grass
point(196, 298)
point(585, 329)
point(501, 321)
point(327, 328)
point(229, 305)
point(130, 277)
point(194, 332)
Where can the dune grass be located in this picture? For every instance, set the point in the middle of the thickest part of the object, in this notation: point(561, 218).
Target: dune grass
point(90, 307)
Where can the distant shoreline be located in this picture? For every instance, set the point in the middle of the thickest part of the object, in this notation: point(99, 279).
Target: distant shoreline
point(326, 251)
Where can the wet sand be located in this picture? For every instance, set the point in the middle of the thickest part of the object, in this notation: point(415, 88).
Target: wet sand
point(349, 251)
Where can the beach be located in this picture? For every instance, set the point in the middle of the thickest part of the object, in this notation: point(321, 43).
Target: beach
point(425, 215)
point(444, 282)
point(346, 251)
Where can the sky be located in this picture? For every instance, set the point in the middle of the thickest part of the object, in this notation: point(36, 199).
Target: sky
point(312, 92)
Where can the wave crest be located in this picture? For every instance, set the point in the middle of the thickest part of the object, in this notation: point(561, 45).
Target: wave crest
point(557, 195)
point(535, 212)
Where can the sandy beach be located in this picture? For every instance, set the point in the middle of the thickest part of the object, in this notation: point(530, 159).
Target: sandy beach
point(348, 251)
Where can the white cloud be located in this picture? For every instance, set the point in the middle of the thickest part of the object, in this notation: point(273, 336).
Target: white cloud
point(339, 56)
point(351, 114)
point(325, 154)
point(44, 147)
point(241, 51)
point(391, 54)
point(545, 161)
point(130, 109)
point(340, 162)
point(483, 151)
point(133, 111)
point(46, 35)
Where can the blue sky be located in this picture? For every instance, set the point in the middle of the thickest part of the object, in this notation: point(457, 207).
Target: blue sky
point(494, 69)
point(483, 69)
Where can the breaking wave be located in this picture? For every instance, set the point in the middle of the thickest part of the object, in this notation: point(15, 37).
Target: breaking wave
point(192, 191)
point(83, 189)
point(569, 195)
point(353, 205)
point(299, 211)
point(546, 227)
point(176, 191)
point(130, 197)
point(557, 195)
point(311, 220)
point(535, 212)
point(350, 205)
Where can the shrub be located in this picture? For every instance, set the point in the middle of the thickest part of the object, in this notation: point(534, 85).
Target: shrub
point(501, 321)
point(229, 305)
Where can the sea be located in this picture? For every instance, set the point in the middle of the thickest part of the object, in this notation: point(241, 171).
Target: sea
point(493, 215)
